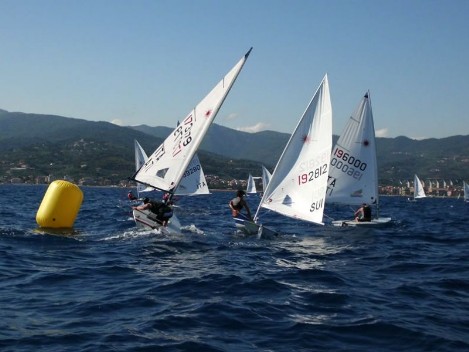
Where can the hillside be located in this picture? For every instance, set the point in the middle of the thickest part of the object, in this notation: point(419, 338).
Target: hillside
point(34, 145)
point(44, 144)
point(265, 146)
point(446, 158)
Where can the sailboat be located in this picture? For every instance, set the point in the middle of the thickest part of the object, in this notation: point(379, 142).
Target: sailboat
point(251, 186)
point(266, 176)
point(353, 174)
point(419, 192)
point(165, 168)
point(140, 159)
point(466, 191)
point(298, 185)
point(193, 182)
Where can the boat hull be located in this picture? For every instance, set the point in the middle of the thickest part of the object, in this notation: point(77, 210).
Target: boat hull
point(373, 223)
point(246, 226)
point(251, 228)
point(146, 218)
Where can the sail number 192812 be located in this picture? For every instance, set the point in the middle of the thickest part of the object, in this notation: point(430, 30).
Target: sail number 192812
point(312, 175)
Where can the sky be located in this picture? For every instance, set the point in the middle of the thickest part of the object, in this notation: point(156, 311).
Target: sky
point(151, 61)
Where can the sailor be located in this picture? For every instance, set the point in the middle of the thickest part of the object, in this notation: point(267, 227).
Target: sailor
point(167, 197)
point(237, 204)
point(131, 196)
point(162, 210)
point(363, 214)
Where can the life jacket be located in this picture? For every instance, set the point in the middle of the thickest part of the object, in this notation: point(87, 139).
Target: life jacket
point(155, 206)
point(236, 203)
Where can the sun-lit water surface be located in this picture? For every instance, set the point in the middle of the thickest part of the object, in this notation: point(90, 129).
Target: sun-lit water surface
point(107, 285)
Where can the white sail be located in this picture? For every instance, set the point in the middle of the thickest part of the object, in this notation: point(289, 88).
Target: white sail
point(140, 155)
point(166, 166)
point(140, 159)
point(466, 191)
point(266, 176)
point(418, 188)
point(353, 174)
point(251, 186)
point(193, 182)
point(298, 185)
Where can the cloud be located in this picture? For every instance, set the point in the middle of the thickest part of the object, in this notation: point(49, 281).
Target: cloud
point(382, 132)
point(231, 116)
point(260, 126)
point(118, 122)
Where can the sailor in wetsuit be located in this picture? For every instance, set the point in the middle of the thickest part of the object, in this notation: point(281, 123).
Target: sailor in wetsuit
point(162, 210)
point(364, 213)
point(237, 204)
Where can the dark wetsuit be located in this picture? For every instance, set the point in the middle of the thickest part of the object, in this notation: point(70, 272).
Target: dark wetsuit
point(163, 211)
point(366, 214)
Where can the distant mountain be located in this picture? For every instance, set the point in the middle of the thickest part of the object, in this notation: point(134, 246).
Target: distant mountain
point(84, 147)
point(265, 146)
point(401, 157)
point(34, 145)
point(22, 130)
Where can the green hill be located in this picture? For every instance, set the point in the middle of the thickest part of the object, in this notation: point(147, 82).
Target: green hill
point(265, 146)
point(33, 145)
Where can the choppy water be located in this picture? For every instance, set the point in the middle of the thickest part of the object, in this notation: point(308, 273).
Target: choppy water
point(108, 286)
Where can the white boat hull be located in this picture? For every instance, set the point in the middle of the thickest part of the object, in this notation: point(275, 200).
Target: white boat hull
point(148, 219)
point(251, 228)
point(373, 223)
point(246, 226)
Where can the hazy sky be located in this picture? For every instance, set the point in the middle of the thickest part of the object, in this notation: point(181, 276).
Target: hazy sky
point(149, 62)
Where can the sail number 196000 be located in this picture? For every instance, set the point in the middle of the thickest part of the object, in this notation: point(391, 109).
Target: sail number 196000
point(310, 176)
point(348, 164)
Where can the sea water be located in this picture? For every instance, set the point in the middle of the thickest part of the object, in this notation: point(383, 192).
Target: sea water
point(106, 285)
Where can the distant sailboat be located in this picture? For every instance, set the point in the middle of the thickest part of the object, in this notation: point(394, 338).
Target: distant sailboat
point(353, 174)
point(419, 192)
point(140, 159)
point(266, 176)
point(165, 168)
point(251, 186)
point(298, 185)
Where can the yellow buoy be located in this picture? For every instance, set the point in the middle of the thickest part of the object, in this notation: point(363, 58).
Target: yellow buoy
point(60, 205)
